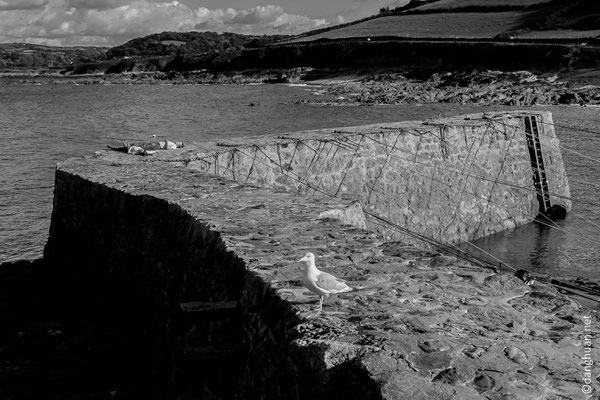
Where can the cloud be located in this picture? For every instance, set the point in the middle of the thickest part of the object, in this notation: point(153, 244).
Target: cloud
point(22, 4)
point(95, 4)
point(113, 22)
point(258, 15)
point(258, 20)
point(290, 24)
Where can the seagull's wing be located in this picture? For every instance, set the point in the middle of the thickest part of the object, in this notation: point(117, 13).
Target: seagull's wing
point(331, 283)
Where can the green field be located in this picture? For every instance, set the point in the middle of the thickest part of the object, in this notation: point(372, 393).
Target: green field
point(562, 34)
point(451, 4)
point(484, 19)
point(452, 25)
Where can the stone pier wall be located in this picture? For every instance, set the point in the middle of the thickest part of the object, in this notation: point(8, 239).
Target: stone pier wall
point(122, 260)
point(452, 180)
point(131, 239)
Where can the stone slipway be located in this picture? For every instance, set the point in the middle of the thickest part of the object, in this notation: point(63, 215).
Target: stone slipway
point(425, 326)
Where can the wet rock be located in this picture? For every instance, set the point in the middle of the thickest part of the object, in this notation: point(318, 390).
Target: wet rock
point(505, 282)
point(515, 354)
point(477, 87)
point(519, 327)
point(448, 376)
point(474, 352)
point(427, 361)
point(545, 301)
point(483, 383)
point(442, 260)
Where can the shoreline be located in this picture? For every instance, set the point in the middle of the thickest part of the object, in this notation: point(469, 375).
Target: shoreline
point(372, 87)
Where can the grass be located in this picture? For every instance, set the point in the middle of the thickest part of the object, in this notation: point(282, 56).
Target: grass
point(462, 25)
point(451, 4)
point(561, 34)
point(477, 19)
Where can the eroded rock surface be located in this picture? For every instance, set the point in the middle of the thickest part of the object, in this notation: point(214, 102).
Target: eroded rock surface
point(476, 87)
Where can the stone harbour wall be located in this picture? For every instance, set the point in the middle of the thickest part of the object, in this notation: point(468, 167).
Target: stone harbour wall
point(131, 239)
point(122, 261)
point(452, 180)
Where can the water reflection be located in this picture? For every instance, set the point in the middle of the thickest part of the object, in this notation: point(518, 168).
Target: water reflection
point(546, 248)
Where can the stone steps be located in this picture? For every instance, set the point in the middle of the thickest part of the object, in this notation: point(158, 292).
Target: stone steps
point(212, 349)
point(207, 356)
point(199, 311)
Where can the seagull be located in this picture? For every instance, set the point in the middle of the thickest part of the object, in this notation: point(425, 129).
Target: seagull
point(319, 282)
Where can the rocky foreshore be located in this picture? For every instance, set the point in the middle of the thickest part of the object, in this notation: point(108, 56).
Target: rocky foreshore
point(158, 77)
point(484, 88)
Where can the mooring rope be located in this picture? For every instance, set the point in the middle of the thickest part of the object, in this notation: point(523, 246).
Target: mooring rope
point(449, 248)
point(323, 191)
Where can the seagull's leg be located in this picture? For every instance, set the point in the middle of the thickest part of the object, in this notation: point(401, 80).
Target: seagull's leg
point(320, 304)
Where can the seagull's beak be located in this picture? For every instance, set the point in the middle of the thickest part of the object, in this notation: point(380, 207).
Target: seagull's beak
point(303, 259)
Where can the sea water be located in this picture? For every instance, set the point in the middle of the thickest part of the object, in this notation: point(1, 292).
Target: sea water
point(42, 125)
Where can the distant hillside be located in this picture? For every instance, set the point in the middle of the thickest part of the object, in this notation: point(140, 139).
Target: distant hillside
point(474, 19)
point(150, 52)
point(492, 29)
point(31, 56)
point(187, 43)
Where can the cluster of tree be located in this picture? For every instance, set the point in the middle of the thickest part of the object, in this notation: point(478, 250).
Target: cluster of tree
point(411, 4)
point(425, 56)
point(21, 56)
point(174, 51)
point(186, 44)
point(548, 12)
point(577, 15)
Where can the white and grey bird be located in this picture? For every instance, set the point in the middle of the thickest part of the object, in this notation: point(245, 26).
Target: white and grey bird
point(320, 282)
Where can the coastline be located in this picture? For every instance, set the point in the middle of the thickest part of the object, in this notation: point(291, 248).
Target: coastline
point(371, 87)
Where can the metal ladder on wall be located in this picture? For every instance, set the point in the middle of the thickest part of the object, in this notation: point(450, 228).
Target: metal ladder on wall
point(540, 182)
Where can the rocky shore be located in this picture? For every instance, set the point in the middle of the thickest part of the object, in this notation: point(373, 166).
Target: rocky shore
point(157, 78)
point(484, 88)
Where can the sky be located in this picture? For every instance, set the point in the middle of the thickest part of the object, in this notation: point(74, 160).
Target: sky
point(114, 22)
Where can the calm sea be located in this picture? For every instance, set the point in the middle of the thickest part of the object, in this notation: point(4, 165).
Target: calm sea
point(42, 125)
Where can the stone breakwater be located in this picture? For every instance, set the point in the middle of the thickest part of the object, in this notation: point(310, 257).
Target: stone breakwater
point(452, 180)
point(132, 239)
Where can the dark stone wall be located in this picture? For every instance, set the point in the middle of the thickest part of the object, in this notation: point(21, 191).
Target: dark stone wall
point(124, 253)
point(270, 372)
point(121, 266)
point(23, 291)
point(419, 55)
